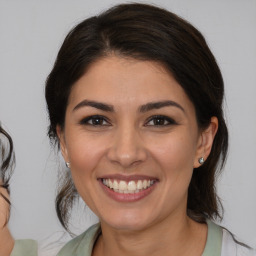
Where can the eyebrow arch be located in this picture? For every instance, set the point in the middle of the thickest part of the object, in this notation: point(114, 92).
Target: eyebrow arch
point(156, 105)
point(94, 104)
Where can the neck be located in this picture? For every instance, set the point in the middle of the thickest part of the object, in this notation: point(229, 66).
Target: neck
point(6, 241)
point(182, 236)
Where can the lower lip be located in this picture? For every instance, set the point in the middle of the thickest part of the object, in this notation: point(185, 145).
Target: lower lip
point(120, 197)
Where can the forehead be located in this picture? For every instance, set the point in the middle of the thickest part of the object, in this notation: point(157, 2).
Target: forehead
point(120, 81)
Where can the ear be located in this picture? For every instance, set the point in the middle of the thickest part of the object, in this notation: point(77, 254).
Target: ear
point(205, 141)
point(62, 141)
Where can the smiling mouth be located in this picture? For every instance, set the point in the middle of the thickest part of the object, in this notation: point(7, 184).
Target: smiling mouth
point(128, 187)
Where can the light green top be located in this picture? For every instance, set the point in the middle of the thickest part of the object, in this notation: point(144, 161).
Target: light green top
point(25, 247)
point(83, 244)
point(214, 240)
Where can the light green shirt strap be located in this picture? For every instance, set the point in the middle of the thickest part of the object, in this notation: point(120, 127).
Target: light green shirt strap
point(214, 240)
point(83, 244)
point(25, 247)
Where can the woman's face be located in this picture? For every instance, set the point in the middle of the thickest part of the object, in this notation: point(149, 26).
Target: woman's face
point(132, 141)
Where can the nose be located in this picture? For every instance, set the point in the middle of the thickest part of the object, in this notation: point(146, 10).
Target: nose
point(127, 148)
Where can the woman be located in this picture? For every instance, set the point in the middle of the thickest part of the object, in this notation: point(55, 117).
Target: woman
point(6, 164)
point(135, 104)
point(8, 246)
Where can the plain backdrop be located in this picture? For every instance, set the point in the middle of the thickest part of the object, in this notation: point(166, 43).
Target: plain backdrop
point(31, 32)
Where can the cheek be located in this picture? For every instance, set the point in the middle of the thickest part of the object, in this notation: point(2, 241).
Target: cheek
point(84, 155)
point(175, 153)
point(175, 156)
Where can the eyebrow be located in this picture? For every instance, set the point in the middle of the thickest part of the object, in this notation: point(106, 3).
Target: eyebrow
point(94, 104)
point(144, 108)
point(160, 104)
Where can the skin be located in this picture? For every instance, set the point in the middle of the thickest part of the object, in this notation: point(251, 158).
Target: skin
point(129, 142)
point(6, 239)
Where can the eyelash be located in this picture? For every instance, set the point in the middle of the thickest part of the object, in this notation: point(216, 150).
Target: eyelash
point(101, 119)
point(87, 120)
point(161, 118)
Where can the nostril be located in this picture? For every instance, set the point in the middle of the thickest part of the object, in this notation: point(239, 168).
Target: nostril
point(127, 148)
point(127, 158)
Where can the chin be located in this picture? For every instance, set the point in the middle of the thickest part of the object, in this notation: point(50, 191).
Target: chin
point(129, 222)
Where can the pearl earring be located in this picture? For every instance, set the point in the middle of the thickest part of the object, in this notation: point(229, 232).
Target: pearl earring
point(68, 164)
point(201, 160)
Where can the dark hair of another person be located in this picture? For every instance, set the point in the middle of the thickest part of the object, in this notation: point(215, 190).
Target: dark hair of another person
point(7, 162)
point(147, 33)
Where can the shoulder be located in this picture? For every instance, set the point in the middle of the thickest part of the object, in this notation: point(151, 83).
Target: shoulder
point(232, 247)
point(25, 247)
point(82, 243)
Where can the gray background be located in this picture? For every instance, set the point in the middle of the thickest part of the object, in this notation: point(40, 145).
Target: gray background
point(31, 33)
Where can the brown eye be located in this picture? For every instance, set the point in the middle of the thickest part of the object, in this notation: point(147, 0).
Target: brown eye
point(160, 121)
point(95, 121)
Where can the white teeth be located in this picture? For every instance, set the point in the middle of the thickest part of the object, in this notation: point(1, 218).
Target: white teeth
point(128, 187)
point(132, 185)
point(115, 185)
point(145, 184)
point(122, 185)
point(110, 183)
point(139, 184)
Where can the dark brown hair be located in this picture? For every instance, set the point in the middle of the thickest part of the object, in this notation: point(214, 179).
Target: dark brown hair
point(7, 162)
point(145, 32)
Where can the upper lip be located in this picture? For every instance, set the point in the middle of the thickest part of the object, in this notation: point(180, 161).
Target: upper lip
point(128, 177)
